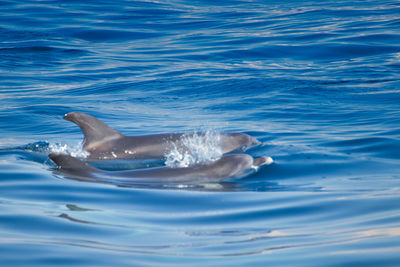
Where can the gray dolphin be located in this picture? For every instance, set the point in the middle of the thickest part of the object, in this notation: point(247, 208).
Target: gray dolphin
point(103, 142)
point(226, 167)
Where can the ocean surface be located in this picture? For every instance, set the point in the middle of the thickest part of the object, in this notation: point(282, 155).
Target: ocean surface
point(317, 82)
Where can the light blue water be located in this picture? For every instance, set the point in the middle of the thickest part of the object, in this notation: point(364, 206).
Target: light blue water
point(317, 82)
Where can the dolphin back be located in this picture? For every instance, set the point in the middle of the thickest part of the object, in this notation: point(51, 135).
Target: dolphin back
point(235, 165)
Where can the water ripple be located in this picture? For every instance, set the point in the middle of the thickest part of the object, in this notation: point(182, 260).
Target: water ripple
point(316, 82)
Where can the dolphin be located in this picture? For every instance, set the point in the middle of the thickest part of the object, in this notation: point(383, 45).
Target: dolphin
point(103, 142)
point(228, 166)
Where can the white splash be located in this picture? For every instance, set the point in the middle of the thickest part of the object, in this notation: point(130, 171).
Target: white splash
point(74, 151)
point(197, 148)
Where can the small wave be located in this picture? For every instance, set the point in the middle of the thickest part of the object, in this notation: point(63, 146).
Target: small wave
point(197, 148)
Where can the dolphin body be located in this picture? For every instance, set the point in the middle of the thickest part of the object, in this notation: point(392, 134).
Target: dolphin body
point(226, 167)
point(103, 142)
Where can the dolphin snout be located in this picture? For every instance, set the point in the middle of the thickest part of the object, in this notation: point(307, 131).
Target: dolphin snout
point(250, 142)
point(262, 161)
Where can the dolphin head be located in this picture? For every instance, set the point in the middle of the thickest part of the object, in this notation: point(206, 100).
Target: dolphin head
point(232, 165)
point(234, 141)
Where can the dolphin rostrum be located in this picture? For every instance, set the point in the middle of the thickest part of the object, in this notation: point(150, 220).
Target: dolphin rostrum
point(228, 166)
point(103, 142)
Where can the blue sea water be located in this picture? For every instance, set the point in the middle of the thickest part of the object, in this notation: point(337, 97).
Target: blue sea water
point(317, 82)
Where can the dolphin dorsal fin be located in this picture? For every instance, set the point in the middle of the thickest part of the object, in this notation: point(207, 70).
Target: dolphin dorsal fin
point(68, 162)
point(73, 166)
point(94, 130)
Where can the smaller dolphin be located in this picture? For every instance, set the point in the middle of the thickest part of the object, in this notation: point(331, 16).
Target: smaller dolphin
point(103, 142)
point(226, 167)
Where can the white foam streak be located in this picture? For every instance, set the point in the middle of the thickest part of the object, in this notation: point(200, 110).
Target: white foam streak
point(74, 151)
point(198, 148)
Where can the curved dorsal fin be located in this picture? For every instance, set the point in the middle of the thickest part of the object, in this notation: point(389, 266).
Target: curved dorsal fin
point(74, 166)
point(94, 130)
point(68, 162)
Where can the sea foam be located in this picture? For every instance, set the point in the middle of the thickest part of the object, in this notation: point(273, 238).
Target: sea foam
point(199, 148)
point(74, 151)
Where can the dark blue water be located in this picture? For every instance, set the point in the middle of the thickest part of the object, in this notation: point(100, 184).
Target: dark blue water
point(317, 82)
